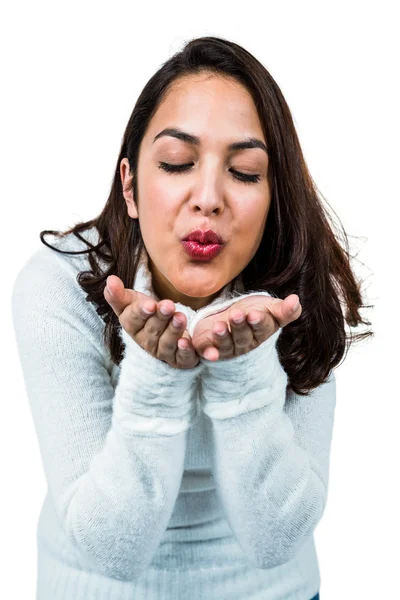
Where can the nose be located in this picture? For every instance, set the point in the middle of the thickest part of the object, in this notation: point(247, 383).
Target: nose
point(207, 195)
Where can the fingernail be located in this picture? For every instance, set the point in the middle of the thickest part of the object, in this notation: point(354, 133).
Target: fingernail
point(165, 311)
point(238, 319)
point(254, 321)
point(221, 333)
point(108, 289)
point(176, 322)
point(295, 307)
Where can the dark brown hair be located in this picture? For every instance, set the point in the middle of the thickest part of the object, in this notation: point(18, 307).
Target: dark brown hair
point(299, 252)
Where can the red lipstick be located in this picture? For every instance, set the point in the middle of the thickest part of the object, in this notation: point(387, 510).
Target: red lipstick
point(203, 245)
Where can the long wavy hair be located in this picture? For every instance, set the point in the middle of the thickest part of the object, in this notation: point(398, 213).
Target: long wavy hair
point(299, 252)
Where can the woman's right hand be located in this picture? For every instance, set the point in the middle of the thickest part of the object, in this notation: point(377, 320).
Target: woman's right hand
point(155, 332)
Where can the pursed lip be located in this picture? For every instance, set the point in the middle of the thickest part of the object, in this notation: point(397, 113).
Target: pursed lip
point(203, 236)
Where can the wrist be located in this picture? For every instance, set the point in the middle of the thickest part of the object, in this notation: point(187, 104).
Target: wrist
point(230, 378)
point(152, 396)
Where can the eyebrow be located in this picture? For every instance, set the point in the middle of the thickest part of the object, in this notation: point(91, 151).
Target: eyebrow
point(195, 141)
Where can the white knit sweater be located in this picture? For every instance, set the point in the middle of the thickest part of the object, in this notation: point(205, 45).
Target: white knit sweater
point(163, 482)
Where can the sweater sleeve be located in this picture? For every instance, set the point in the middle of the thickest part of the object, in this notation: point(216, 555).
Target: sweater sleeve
point(270, 451)
point(113, 454)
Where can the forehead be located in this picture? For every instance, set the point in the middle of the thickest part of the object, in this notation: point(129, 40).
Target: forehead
point(209, 106)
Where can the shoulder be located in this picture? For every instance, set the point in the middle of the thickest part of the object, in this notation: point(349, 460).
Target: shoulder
point(46, 290)
point(54, 266)
point(47, 270)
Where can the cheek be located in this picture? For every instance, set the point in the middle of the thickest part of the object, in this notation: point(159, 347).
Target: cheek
point(162, 198)
point(251, 215)
point(158, 201)
point(250, 225)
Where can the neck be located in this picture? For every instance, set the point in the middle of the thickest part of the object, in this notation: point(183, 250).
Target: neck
point(163, 292)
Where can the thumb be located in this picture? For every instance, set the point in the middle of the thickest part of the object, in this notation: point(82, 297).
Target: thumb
point(282, 310)
point(117, 295)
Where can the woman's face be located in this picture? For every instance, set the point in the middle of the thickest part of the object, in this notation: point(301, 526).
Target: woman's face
point(208, 195)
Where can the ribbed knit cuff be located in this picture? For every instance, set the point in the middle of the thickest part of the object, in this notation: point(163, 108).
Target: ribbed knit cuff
point(232, 386)
point(152, 396)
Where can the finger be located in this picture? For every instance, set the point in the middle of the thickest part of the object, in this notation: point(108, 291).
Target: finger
point(155, 327)
point(204, 341)
point(119, 297)
point(262, 324)
point(168, 347)
point(223, 339)
point(211, 353)
point(282, 311)
point(131, 307)
point(295, 308)
point(186, 355)
point(241, 332)
point(134, 318)
point(185, 342)
point(168, 342)
point(204, 345)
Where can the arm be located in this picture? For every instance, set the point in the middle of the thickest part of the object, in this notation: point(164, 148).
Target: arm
point(270, 451)
point(113, 458)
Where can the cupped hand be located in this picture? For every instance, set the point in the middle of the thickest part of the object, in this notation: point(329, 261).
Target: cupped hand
point(218, 336)
point(160, 331)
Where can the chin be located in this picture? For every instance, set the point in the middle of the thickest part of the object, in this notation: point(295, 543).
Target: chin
point(199, 284)
point(197, 293)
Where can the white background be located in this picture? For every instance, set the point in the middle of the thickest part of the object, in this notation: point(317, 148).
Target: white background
point(71, 75)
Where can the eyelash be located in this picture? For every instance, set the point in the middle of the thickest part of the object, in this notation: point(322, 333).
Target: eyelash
point(181, 168)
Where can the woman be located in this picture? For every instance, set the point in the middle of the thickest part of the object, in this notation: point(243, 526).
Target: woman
point(187, 455)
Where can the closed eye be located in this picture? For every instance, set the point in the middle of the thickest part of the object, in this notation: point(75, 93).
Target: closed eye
point(181, 168)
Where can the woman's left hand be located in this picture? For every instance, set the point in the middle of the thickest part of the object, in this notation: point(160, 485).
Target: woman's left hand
point(240, 338)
